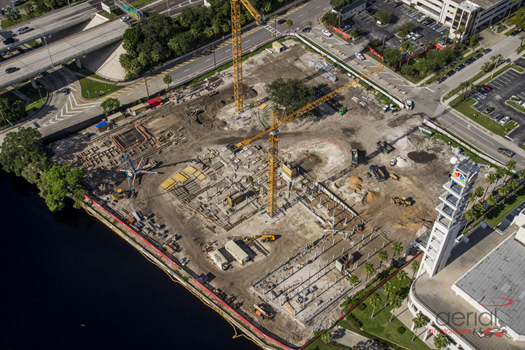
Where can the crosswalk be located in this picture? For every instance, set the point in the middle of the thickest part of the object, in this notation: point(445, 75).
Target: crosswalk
point(440, 110)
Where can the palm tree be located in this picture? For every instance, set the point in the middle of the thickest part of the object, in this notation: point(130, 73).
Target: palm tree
point(503, 191)
point(440, 341)
point(410, 50)
point(167, 80)
point(374, 301)
point(512, 184)
point(479, 209)
point(354, 280)
point(389, 289)
point(403, 47)
point(479, 191)
point(289, 24)
point(472, 197)
point(510, 166)
point(463, 86)
point(521, 174)
point(459, 31)
point(397, 248)
point(415, 267)
point(395, 302)
point(382, 256)
point(499, 173)
point(327, 337)
point(470, 215)
point(491, 178)
point(419, 321)
point(369, 269)
point(492, 200)
point(510, 10)
point(401, 275)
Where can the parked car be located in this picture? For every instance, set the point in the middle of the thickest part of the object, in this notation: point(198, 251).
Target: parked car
point(350, 75)
point(360, 56)
point(307, 30)
point(504, 120)
point(417, 36)
point(506, 152)
point(460, 67)
point(11, 70)
point(327, 33)
point(347, 26)
point(498, 117)
point(9, 41)
point(451, 73)
point(386, 108)
point(479, 55)
point(489, 110)
point(486, 51)
point(516, 32)
point(23, 30)
point(486, 87)
point(442, 79)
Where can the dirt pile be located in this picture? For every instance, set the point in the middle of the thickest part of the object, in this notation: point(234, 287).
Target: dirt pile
point(404, 144)
point(422, 157)
point(401, 162)
point(372, 196)
point(355, 182)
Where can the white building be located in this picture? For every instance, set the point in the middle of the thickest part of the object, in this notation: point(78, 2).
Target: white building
point(350, 10)
point(473, 15)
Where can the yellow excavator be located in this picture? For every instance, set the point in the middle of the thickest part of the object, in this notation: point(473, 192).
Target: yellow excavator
point(404, 201)
point(265, 238)
point(120, 194)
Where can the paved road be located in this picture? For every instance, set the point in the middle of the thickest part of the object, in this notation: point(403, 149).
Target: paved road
point(46, 57)
point(51, 23)
point(171, 7)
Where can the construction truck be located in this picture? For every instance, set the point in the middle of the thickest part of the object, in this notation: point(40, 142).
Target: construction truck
point(425, 131)
point(265, 238)
point(120, 194)
point(378, 173)
point(384, 147)
point(261, 312)
point(355, 155)
point(402, 201)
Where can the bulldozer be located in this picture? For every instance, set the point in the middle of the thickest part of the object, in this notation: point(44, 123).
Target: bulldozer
point(402, 201)
point(265, 238)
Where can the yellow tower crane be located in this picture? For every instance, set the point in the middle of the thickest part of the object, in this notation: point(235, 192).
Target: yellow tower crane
point(237, 47)
point(273, 151)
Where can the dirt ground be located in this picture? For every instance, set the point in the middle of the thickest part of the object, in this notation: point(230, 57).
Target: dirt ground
point(318, 143)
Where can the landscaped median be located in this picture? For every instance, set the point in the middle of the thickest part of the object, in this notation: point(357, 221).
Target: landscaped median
point(92, 89)
point(516, 106)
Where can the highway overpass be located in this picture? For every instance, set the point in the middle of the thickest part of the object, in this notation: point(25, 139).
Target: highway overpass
point(45, 57)
point(52, 22)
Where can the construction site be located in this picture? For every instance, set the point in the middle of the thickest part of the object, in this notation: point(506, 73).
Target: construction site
point(279, 220)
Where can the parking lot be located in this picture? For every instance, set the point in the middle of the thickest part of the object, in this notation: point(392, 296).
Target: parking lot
point(400, 16)
point(510, 83)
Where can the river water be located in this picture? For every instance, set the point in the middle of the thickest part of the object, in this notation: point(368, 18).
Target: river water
point(69, 282)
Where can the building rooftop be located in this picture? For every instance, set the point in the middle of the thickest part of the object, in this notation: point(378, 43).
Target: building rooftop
point(468, 166)
point(436, 293)
point(351, 6)
point(484, 4)
point(500, 274)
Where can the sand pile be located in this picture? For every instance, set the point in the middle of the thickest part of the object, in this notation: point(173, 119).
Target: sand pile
point(355, 182)
point(404, 144)
point(372, 196)
point(401, 162)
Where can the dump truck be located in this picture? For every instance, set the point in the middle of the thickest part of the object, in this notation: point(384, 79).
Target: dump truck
point(402, 201)
point(425, 131)
point(384, 147)
point(355, 155)
point(265, 238)
point(378, 173)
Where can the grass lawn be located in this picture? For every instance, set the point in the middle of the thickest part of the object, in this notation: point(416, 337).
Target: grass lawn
point(520, 50)
point(35, 106)
point(34, 44)
point(466, 109)
point(515, 105)
point(95, 89)
point(7, 23)
point(500, 211)
point(32, 93)
point(380, 326)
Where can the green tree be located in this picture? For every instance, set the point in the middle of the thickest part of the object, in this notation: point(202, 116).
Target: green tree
point(503, 191)
point(499, 173)
point(473, 40)
point(522, 38)
point(396, 301)
point(356, 33)
point(11, 111)
point(392, 55)
point(327, 337)
point(491, 178)
point(509, 167)
point(403, 47)
point(383, 16)
point(339, 3)
point(471, 198)
point(479, 191)
point(58, 183)
point(491, 200)
point(519, 18)
point(28, 8)
point(470, 215)
point(330, 18)
point(291, 94)
point(479, 209)
point(11, 13)
point(374, 301)
point(354, 280)
point(369, 269)
point(110, 105)
point(397, 248)
point(521, 174)
point(440, 341)
point(289, 24)
point(167, 80)
point(410, 51)
point(415, 267)
point(20, 149)
point(406, 28)
point(486, 67)
point(382, 256)
point(401, 275)
point(510, 10)
point(390, 289)
point(512, 184)
point(419, 321)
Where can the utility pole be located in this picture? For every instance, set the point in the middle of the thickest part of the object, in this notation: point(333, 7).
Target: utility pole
point(146, 85)
point(49, 52)
point(168, 6)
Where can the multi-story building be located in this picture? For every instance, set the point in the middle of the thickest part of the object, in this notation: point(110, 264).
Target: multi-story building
point(468, 17)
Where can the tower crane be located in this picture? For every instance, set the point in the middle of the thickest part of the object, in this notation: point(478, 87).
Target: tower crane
point(133, 172)
point(237, 47)
point(273, 130)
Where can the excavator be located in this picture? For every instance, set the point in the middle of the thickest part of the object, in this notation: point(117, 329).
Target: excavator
point(402, 201)
point(265, 238)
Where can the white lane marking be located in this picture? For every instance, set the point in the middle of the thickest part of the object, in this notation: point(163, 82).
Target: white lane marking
point(209, 59)
point(186, 70)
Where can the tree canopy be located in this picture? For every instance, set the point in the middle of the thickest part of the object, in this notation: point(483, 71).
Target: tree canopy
point(21, 149)
point(110, 105)
point(58, 183)
point(519, 18)
point(331, 18)
point(11, 111)
point(291, 94)
point(383, 16)
point(339, 3)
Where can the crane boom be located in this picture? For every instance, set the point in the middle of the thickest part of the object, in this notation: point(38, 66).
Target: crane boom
point(308, 107)
point(237, 47)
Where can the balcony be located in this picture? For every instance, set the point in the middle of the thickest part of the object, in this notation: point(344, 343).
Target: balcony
point(454, 188)
point(446, 223)
point(450, 200)
point(446, 211)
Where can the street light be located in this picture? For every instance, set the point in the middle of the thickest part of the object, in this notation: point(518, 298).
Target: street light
point(49, 52)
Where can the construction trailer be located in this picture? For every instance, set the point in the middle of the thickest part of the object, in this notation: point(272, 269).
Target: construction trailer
point(219, 259)
point(236, 252)
point(154, 102)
